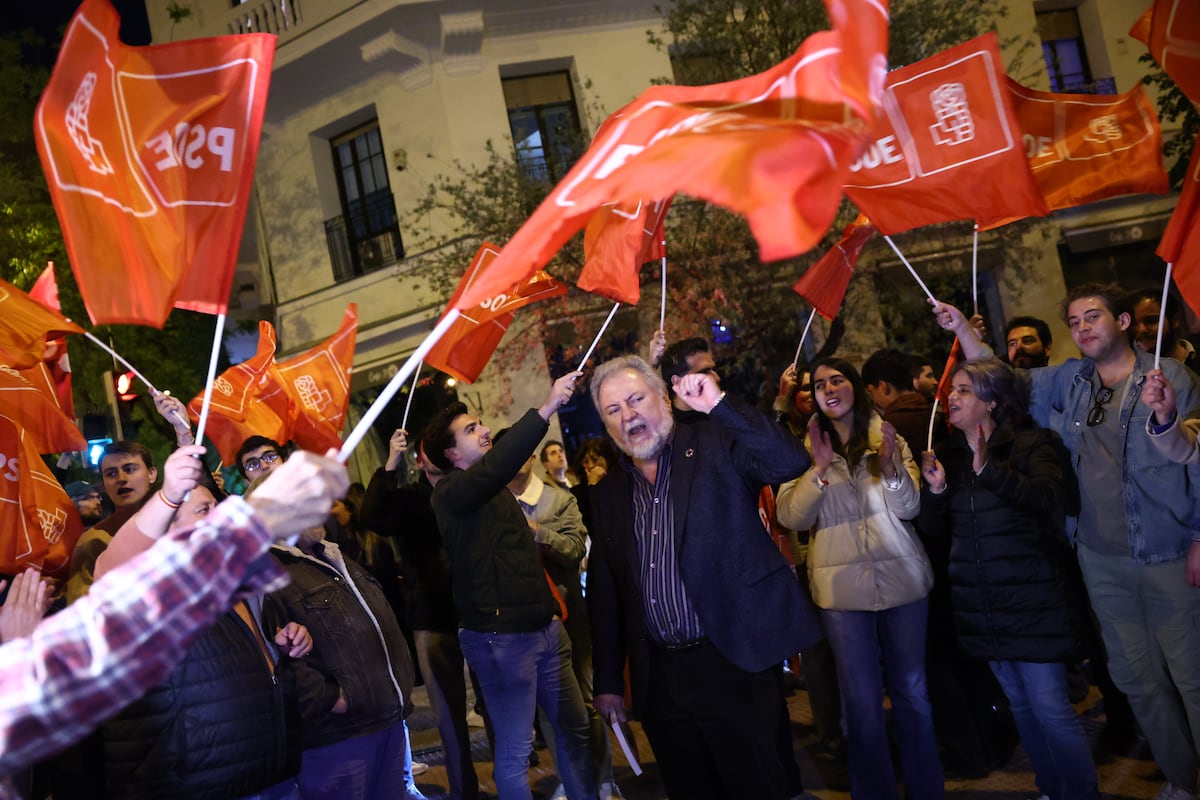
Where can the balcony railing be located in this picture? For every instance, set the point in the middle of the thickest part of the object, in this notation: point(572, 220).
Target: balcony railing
point(364, 239)
point(279, 17)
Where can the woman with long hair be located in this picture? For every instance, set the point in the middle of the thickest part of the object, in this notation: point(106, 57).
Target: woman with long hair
point(1000, 489)
point(870, 577)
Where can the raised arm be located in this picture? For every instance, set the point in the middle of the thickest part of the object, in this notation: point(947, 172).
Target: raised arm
point(951, 319)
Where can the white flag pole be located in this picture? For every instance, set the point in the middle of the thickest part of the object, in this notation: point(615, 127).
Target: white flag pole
point(411, 391)
point(596, 341)
point(975, 271)
point(212, 377)
point(662, 313)
point(932, 417)
point(1162, 315)
point(911, 271)
point(803, 336)
point(393, 386)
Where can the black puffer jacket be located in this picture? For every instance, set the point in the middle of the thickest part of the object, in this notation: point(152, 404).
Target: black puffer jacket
point(358, 648)
point(1010, 570)
point(220, 726)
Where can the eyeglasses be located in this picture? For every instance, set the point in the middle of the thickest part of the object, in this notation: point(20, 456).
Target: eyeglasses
point(254, 464)
point(1097, 415)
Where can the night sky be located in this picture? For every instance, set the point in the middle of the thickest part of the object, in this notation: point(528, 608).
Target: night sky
point(48, 18)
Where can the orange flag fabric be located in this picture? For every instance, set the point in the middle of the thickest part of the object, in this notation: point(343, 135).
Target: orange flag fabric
point(39, 525)
point(1171, 31)
point(775, 147)
point(1180, 242)
point(149, 154)
point(619, 239)
point(1084, 148)
point(948, 146)
point(467, 347)
point(318, 384)
point(25, 325)
point(824, 284)
point(248, 399)
point(34, 406)
point(56, 366)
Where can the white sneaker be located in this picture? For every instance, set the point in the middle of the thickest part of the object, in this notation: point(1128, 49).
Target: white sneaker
point(419, 768)
point(610, 791)
point(559, 793)
point(1170, 791)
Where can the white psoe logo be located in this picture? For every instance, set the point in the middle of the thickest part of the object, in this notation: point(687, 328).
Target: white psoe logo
point(77, 126)
point(955, 125)
point(313, 396)
point(1103, 129)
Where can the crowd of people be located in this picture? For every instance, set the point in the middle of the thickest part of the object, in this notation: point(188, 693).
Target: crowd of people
point(965, 562)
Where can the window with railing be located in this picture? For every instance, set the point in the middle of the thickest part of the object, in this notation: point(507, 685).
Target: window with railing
point(366, 236)
point(1065, 53)
point(544, 122)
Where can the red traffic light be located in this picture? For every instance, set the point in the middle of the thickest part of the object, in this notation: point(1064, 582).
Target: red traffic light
point(124, 386)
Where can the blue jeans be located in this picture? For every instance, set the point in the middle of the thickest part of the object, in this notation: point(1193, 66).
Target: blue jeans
point(361, 768)
point(520, 672)
point(1050, 730)
point(859, 640)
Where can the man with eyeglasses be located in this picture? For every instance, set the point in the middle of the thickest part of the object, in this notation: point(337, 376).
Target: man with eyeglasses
point(1133, 533)
point(258, 457)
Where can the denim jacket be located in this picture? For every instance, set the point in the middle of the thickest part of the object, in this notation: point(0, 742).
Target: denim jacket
point(1160, 501)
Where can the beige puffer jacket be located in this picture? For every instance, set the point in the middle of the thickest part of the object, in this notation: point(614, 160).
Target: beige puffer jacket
point(864, 555)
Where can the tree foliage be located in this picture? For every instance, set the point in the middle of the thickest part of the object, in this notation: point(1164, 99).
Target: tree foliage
point(713, 267)
point(1174, 108)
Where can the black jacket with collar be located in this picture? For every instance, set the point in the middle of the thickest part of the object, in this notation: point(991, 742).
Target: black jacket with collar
point(745, 594)
point(1013, 579)
point(358, 647)
point(499, 583)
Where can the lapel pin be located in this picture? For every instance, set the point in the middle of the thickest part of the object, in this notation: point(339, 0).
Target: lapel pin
point(689, 453)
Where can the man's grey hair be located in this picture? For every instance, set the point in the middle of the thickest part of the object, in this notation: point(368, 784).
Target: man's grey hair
point(615, 365)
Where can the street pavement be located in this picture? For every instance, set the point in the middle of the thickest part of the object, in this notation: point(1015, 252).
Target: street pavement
point(1132, 777)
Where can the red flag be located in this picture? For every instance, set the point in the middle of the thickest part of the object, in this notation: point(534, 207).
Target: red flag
point(1171, 30)
point(35, 408)
point(247, 400)
point(774, 147)
point(56, 366)
point(1084, 147)
point(824, 284)
point(318, 382)
point(38, 522)
point(948, 147)
point(467, 347)
point(25, 325)
point(1180, 243)
point(943, 388)
point(149, 154)
point(620, 238)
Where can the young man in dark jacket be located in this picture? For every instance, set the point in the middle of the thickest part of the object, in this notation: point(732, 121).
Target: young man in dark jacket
point(511, 633)
point(354, 686)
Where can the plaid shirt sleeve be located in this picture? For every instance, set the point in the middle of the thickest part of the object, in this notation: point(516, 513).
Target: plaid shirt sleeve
point(89, 661)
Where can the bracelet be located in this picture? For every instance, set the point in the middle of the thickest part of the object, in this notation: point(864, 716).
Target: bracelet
point(167, 502)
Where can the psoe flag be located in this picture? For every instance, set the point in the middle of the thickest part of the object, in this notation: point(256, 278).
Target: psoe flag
point(1084, 148)
point(149, 155)
point(318, 384)
point(1171, 31)
point(948, 146)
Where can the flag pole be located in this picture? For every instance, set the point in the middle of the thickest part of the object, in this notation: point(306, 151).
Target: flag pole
point(410, 366)
point(803, 336)
point(975, 271)
point(932, 417)
point(117, 357)
point(211, 379)
point(1162, 315)
point(911, 271)
point(662, 314)
point(596, 341)
point(408, 403)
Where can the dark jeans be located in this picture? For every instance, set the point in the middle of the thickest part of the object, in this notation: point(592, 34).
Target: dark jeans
point(361, 768)
point(441, 661)
point(714, 728)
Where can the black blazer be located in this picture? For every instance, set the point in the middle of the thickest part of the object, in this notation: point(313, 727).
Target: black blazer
point(744, 592)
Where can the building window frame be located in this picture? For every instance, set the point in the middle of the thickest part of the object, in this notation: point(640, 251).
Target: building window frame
point(366, 236)
point(547, 136)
